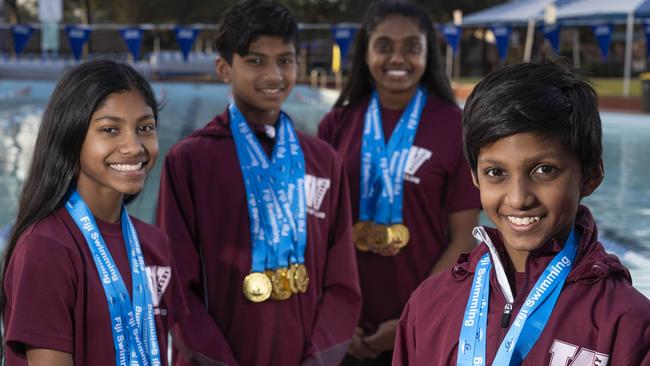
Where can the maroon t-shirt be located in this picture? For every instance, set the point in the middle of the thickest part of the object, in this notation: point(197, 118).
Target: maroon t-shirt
point(55, 299)
point(437, 182)
point(599, 318)
point(203, 208)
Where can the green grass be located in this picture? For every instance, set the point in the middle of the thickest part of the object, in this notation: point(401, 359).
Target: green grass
point(611, 87)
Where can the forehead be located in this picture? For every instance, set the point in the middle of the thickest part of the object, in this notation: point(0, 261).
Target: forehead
point(271, 45)
point(123, 104)
point(524, 147)
point(397, 27)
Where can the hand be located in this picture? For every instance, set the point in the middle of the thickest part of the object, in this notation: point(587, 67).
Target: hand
point(384, 339)
point(358, 349)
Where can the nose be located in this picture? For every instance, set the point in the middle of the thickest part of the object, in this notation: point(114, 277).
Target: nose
point(520, 195)
point(131, 143)
point(396, 57)
point(273, 72)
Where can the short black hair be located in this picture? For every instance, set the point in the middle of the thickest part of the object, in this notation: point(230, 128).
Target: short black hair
point(245, 22)
point(546, 97)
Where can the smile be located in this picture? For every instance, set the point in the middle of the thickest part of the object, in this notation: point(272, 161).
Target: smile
point(524, 221)
point(397, 73)
point(271, 90)
point(126, 167)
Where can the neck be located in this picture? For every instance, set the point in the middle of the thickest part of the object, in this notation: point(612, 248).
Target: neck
point(257, 116)
point(106, 206)
point(396, 101)
point(518, 259)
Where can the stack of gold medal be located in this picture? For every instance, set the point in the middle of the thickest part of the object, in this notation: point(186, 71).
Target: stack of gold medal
point(386, 240)
point(277, 284)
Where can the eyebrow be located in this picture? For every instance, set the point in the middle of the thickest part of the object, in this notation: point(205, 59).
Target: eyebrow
point(252, 53)
point(546, 155)
point(120, 120)
point(408, 38)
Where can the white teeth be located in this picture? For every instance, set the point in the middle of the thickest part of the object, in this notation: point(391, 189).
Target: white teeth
point(271, 91)
point(524, 220)
point(396, 72)
point(126, 167)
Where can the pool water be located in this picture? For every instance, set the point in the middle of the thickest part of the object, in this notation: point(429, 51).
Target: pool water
point(621, 205)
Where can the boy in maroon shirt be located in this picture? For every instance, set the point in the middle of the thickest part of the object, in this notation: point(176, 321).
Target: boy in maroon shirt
point(207, 205)
point(540, 290)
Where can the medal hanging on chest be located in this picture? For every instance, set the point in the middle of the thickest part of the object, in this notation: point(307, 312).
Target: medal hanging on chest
point(381, 227)
point(132, 322)
point(275, 192)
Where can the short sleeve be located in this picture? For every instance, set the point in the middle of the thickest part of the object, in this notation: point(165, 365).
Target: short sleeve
point(40, 288)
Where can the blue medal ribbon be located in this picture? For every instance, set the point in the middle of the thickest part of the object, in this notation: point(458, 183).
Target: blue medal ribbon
point(529, 322)
point(276, 193)
point(382, 165)
point(133, 323)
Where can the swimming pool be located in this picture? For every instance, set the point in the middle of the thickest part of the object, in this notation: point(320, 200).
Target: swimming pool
point(621, 204)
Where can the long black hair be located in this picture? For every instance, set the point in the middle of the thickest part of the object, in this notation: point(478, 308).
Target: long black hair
point(55, 162)
point(359, 81)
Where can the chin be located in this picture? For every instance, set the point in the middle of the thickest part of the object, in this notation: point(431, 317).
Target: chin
point(523, 242)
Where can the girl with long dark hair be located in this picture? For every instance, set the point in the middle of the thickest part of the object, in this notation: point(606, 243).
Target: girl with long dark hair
point(84, 283)
point(398, 129)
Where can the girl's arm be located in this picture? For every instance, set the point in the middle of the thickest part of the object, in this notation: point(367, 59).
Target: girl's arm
point(48, 357)
point(461, 240)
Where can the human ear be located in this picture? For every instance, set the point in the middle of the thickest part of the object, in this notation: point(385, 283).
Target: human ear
point(474, 178)
point(223, 69)
point(593, 180)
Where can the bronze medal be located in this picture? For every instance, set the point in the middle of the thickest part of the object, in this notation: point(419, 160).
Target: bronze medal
point(298, 278)
point(257, 287)
point(401, 235)
point(380, 236)
point(361, 235)
point(281, 287)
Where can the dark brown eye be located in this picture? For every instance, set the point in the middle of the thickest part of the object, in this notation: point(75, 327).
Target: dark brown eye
point(543, 169)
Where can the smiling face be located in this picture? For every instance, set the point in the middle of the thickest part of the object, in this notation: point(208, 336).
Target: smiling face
point(120, 148)
point(262, 79)
point(530, 188)
point(397, 55)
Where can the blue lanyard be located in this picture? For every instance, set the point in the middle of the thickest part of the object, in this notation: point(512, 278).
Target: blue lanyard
point(382, 165)
point(133, 323)
point(276, 193)
point(529, 322)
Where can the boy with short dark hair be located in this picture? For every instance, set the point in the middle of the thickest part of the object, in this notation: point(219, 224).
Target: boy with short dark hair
point(540, 289)
point(259, 215)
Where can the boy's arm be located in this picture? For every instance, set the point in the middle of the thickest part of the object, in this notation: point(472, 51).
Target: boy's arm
point(404, 339)
point(197, 337)
point(340, 303)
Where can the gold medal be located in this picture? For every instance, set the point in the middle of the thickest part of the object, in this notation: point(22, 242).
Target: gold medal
point(257, 287)
point(281, 287)
point(380, 236)
point(400, 234)
point(361, 234)
point(298, 278)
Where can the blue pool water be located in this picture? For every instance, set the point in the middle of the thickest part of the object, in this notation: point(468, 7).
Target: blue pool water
point(621, 204)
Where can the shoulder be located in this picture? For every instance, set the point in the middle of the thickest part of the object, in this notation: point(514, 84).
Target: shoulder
point(443, 111)
point(342, 116)
point(48, 245)
point(198, 141)
point(53, 232)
